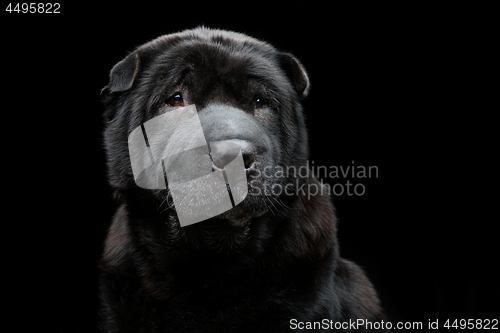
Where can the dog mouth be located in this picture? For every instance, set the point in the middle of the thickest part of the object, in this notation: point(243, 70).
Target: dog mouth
point(224, 192)
point(239, 215)
point(249, 170)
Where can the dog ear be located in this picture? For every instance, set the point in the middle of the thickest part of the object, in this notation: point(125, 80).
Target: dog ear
point(296, 73)
point(122, 76)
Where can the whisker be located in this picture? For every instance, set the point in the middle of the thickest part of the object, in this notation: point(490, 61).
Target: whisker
point(273, 206)
point(278, 200)
point(267, 207)
point(166, 199)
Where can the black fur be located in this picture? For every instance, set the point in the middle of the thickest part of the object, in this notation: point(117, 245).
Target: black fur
point(272, 258)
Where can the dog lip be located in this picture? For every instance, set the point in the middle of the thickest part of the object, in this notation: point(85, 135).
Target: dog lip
point(251, 168)
point(216, 168)
point(248, 170)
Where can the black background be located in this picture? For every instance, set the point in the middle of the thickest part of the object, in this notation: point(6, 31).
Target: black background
point(381, 88)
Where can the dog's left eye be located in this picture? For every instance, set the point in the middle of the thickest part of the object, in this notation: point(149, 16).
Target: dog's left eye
point(175, 100)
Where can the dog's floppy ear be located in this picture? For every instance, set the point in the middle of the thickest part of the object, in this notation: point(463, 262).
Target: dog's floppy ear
point(122, 76)
point(296, 72)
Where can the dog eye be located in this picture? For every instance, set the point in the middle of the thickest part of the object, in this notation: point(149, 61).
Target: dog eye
point(175, 100)
point(260, 102)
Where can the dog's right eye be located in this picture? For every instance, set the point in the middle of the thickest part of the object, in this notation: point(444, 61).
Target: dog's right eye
point(175, 100)
point(260, 102)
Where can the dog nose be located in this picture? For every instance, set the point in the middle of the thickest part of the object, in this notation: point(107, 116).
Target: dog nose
point(223, 152)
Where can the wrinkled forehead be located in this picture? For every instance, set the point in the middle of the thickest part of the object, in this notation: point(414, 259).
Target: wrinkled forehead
point(215, 62)
point(208, 70)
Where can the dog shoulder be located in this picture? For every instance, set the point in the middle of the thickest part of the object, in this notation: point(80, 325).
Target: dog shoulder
point(118, 244)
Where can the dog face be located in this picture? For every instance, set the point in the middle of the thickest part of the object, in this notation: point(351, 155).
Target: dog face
point(246, 93)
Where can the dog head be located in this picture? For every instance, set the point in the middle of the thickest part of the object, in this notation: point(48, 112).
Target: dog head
point(246, 94)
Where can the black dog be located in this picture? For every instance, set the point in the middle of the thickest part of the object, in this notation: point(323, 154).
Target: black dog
point(270, 264)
